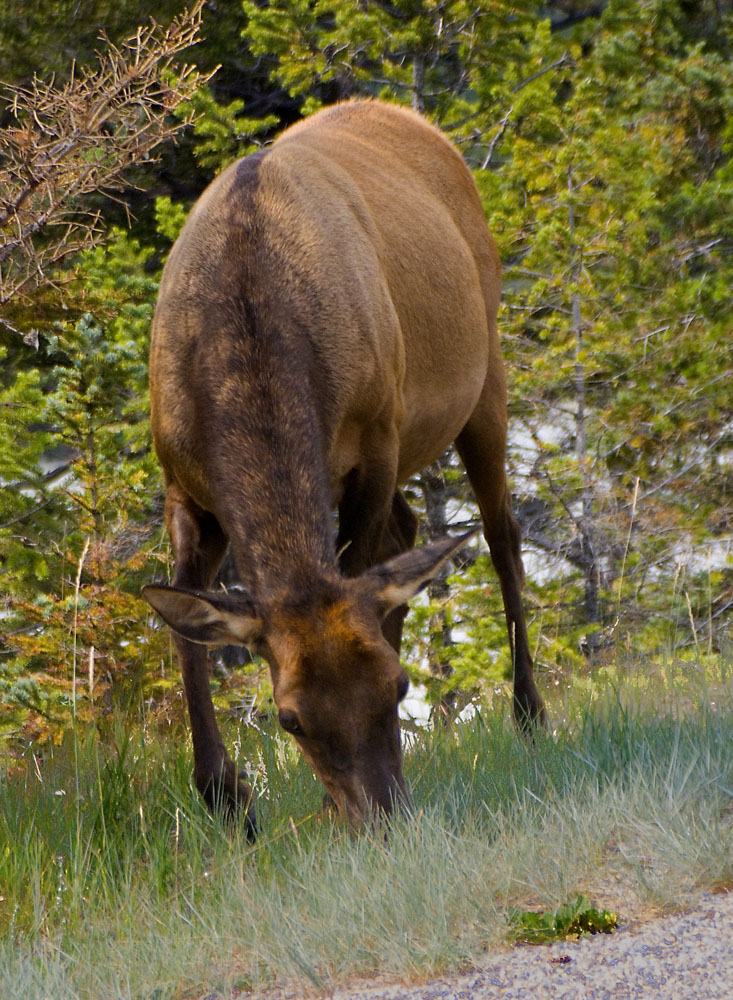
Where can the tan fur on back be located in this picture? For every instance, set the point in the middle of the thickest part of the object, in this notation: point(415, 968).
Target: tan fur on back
point(391, 265)
point(422, 259)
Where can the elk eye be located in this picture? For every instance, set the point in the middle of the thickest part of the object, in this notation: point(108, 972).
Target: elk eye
point(289, 721)
point(403, 685)
point(340, 760)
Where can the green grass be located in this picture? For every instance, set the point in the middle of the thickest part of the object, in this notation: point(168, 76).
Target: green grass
point(115, 882)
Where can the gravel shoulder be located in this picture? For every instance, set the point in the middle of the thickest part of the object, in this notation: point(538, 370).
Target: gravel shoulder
point(680, 956)
point(686, 956)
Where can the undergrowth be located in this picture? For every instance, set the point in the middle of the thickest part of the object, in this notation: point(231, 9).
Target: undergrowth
point(115, 882)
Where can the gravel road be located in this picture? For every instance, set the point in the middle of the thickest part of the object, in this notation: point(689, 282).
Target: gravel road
point(687, 956)
point(683, 957)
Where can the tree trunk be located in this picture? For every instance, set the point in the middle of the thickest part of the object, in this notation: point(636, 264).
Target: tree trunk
point(418, 82)
point(435, 493)
point(586, 526)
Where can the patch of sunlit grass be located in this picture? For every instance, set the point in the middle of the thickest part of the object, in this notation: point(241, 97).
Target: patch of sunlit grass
point(114, 881)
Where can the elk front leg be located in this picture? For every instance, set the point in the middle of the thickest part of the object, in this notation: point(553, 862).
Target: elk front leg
point(398, 537)
point(365, 508)
point(375, 524)
point(199, 545)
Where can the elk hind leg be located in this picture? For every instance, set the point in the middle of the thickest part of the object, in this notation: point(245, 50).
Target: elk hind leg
point(482, 448)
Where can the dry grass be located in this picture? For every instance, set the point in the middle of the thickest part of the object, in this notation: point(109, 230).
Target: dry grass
point(129, 890)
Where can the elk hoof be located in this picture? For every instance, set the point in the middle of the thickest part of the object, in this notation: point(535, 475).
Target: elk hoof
point(229, 796)
point(328, 806)
point(529, 710)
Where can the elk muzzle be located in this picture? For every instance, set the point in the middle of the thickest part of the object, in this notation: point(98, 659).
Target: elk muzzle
point(369, 786)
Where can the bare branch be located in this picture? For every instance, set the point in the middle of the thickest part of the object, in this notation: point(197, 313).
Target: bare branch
point(65, 142)
point(497, 138)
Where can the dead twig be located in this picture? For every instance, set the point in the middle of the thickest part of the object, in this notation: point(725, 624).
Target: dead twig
point(65, 142)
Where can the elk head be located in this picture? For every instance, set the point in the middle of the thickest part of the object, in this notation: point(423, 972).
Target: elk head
point(337, 682)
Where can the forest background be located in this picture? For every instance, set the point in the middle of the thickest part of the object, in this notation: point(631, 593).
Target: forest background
point(599, 134)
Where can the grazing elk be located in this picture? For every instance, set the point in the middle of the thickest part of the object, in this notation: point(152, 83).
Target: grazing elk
point(326, 327)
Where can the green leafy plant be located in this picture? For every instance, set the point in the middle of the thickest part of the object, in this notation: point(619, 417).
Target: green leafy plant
point(573, 919)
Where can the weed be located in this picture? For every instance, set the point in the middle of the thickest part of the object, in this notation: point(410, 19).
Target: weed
point(574, 919)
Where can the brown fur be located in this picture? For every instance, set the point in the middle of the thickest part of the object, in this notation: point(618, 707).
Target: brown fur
point(326, 327)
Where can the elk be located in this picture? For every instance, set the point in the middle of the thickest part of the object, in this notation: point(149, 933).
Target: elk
point(325, 328)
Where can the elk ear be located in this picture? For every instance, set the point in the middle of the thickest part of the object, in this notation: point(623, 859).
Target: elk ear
point(399, 579)
point(209, 618)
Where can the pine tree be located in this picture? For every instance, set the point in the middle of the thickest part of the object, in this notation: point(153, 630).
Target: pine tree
point(614, 312)
point(81, 495)
point(425, 53)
